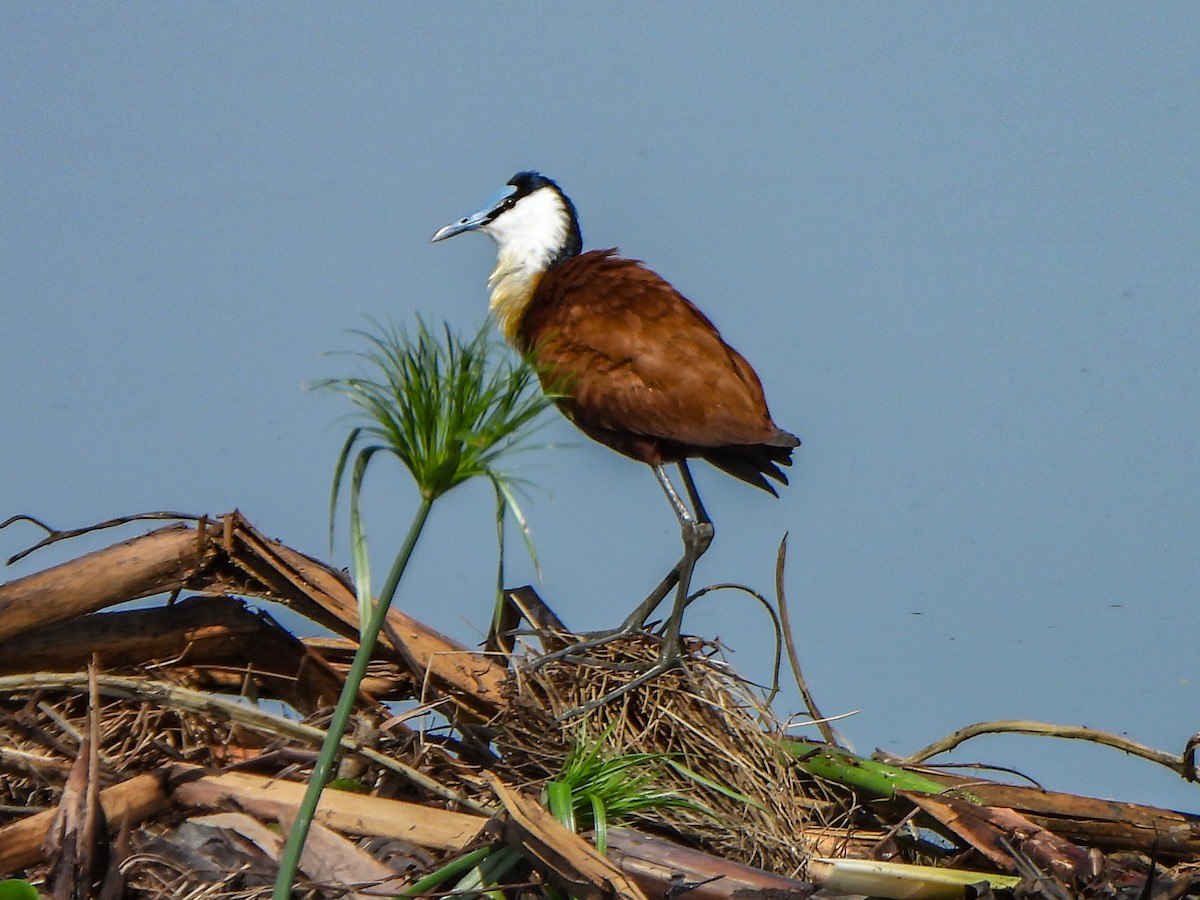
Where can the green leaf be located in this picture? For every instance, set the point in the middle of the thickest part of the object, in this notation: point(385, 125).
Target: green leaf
point(560, 802)
point(600, 789)
point(16, 889)
point(449, 409)
point(449, 870)
point(599, 823)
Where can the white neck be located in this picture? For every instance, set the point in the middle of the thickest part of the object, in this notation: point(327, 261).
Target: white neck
point(529, 237)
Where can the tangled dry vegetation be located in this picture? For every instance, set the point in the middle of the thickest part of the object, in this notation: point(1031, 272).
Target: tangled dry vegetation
point(156, 752)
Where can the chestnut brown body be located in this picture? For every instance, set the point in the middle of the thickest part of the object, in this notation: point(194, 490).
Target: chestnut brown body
point(645, 372)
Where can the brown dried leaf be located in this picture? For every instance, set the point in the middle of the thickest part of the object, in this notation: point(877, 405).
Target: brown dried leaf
point(558, 853)
point(426, 826)
point(997, 832)
point(77, 840)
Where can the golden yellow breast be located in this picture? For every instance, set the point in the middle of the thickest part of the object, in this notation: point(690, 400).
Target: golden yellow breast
point(512, 289)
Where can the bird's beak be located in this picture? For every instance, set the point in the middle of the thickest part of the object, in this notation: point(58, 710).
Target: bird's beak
point(470, 223)
point(475, 220)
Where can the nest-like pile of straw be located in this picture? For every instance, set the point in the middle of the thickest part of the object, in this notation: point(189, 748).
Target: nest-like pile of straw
point(701, 716)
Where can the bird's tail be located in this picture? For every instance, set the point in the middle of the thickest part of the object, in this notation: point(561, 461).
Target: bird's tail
point(751, 462)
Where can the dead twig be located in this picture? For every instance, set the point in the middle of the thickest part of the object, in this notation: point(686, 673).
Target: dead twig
point(1189, 757)
point(810, 703)
point(775, 623)
point(1177, 764)
point(54, 535)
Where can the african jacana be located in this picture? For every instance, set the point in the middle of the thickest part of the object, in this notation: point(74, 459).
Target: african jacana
point(643, 370)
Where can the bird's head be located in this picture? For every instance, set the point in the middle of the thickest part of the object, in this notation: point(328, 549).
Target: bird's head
point(531, 220)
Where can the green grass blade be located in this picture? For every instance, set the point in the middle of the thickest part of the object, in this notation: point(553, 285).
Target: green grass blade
point(599, 823)
point(448, 871)
point(486, 873)
point(498, 609)
point(338, 472)
point(560, 802)
point(505, 492)
point(358, 538)
point(602, 789)
point(360, 564)
point(713, 785)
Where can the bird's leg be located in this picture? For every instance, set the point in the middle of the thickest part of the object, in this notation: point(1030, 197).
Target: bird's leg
point(690, 485)
point(697, 535)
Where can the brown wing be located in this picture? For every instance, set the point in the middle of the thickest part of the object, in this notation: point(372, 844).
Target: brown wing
point(640, 360)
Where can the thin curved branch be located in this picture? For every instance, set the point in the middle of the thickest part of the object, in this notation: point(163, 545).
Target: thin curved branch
point(810, 703)
point(1189, 757)
point(53, 535)
point(766, 604)
point(1177, 764)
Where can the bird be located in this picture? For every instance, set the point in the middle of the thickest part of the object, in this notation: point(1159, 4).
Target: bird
point(635, 365)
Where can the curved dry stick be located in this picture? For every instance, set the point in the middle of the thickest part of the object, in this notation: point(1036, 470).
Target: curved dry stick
point(1070, 732)
point(766, 604)
point(1189, 757)
point(53, 535)
point(793, 657)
